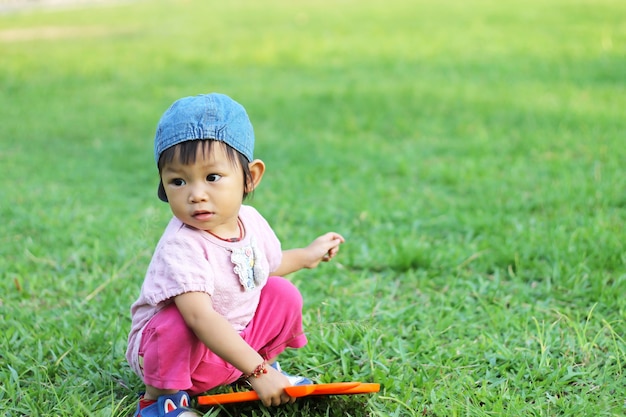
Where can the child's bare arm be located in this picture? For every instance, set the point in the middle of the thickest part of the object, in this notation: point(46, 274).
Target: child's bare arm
point(322, 249)
point(220, 337)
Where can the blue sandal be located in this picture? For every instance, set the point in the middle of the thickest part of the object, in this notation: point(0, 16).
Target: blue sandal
point(173, 405)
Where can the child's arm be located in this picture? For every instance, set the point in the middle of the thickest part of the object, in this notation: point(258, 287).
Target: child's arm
point(220, 337)
point(322, 249)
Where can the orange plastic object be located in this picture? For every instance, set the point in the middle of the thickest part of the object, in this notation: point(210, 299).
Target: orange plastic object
point(364, 388)
point(335, 388)
point(233, 397)
point(320, 389)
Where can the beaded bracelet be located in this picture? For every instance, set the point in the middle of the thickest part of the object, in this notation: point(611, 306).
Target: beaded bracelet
point(258, 371)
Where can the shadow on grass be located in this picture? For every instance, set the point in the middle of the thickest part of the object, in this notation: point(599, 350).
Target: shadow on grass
point(336, 405)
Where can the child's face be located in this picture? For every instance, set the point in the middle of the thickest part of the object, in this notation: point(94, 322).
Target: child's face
point(208, 193)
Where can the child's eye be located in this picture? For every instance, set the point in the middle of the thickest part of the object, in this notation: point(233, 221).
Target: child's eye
point(213, 177)
point(178, 182)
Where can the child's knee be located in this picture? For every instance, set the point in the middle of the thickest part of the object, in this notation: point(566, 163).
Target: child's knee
point(285, 291)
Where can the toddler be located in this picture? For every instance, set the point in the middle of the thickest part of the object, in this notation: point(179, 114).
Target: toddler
point(213, 307)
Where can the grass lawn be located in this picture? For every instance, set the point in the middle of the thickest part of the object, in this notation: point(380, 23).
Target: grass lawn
point(471, 152)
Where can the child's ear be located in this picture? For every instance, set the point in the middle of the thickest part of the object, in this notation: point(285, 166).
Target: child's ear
point(257, 169)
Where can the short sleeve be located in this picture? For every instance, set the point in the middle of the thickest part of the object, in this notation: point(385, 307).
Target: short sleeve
point(179, 265)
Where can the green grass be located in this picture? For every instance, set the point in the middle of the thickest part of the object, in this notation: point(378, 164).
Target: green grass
point(472, 153)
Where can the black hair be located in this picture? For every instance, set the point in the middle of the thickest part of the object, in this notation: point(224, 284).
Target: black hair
point(187, 152)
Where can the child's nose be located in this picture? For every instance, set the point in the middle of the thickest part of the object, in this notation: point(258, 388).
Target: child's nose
point(198, 194)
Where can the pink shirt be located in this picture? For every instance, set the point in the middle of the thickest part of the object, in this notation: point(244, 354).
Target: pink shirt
point(188, 259)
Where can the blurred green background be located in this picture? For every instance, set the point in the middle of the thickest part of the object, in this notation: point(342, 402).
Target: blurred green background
point(472, 154)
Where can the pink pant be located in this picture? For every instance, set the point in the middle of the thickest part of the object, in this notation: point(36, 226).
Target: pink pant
point(174, 358)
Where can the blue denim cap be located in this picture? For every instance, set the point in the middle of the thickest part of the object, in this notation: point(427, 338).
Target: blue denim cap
point(206, 116)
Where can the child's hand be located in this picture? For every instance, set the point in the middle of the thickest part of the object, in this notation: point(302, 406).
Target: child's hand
point(323, 249)
point(270, 387)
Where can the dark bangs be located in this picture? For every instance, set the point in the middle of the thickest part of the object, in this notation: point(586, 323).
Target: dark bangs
point(187, 152)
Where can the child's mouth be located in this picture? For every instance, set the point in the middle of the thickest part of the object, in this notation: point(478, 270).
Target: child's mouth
point(202, 215)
